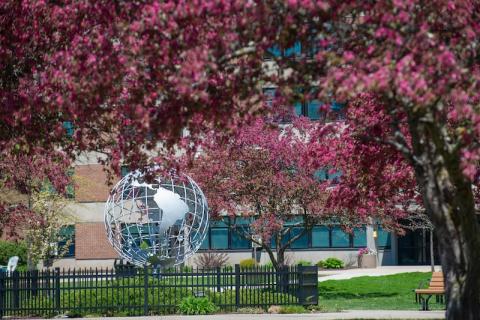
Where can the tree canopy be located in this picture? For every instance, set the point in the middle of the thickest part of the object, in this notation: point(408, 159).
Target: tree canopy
point(136, 79)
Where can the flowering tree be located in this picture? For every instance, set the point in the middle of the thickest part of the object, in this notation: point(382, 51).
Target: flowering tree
point(21, 177)
point(129, 75)
point(260, 175)
point(42, 229)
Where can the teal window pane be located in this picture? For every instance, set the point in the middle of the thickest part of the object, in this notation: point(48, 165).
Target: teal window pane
point(239, 242)
point(219, 237)
point(124, 171)
point(285, 237)
point(294, 220)
point(340, 239)
point(335, 175)
point(297, 106)
point(218, 224)
point(66, 243)
point(206, 243)
point(337, 106)
point(274, 51)
point(273, 242)
point(313, 107)
point(68, 126)
point(320, 237)
point(295, 50)
point(359, 237)
point(383, 238)
point(321, 175)
point(302, 242)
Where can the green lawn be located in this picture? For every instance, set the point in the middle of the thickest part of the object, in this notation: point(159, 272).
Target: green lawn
point(392, 292)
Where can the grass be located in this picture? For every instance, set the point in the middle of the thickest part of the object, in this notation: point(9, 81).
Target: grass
point(393, 292)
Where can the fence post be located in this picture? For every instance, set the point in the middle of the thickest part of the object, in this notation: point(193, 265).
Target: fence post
point(308, 285)
point(237, 285)
point(34, 282)
point(301, 295)
point(16, 291)
point(284, 279)
point(218, 279)
point(3, 293)
point(57, 289)
point(145, 290)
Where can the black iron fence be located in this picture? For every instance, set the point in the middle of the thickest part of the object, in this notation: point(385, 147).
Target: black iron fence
point(144, 291)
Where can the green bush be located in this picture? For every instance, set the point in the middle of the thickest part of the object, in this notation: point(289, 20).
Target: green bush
point(247, 263)
point(228, 296)
point(321, 264)
point(333, 263)
point(187, 269)
point(269, 265)
point(195, 306)
point(292, 309)
point(304, 263)
point(112, 298)
point(9, 249)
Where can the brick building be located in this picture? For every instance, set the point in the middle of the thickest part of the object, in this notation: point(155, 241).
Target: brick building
point(91, 247)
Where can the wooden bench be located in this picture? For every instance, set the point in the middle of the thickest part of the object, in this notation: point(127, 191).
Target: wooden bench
point(436, 288)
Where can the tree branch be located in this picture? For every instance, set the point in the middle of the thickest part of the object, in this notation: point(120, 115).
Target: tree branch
point(237, 54)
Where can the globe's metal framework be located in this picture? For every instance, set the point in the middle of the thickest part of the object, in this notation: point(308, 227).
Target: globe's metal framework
point(160, 223)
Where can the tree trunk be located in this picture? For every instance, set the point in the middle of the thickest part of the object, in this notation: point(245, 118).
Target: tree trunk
point(30, 265)
point(448, 199)
point(432, 254)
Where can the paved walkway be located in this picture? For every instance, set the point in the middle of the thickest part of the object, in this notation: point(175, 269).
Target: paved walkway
point(352, 314)
point(324, 275)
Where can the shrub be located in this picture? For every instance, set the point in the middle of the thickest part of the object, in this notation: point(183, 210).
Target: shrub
point(269, 265)
point(321, 264)
point(228, 296)
point(9, 249)
point(333, 263)
point(211, 260)
point(292, 309)
point(195, 306)
point(247, 263)
point(187, 269)
point(304, 263)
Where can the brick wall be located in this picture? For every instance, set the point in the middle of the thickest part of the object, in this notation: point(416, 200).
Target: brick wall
point(90, 183)
point(91, 242)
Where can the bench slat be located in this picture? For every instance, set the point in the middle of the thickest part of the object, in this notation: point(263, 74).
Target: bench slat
point(429, 291)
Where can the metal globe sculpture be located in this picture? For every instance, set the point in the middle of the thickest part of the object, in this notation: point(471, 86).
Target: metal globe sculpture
point(160, 223)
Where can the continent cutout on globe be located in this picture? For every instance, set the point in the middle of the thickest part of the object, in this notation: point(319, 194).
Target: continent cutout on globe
point(172, 206)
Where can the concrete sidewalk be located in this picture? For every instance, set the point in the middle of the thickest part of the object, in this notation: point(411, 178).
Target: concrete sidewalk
point(324, 275)
point(351, 314)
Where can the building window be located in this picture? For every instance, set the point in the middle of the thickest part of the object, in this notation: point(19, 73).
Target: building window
point(307, 106)
point(359, 238)
point(300, 243)
point(66, 243)
point(222, 237)
point(69, 128)
point(239, 242)
point(383, 238)
point(320, 237)
point(324, 175)
point(340, 239)
point(124, 171)
point(277, 52)
point(219, 238)
point(206, 242)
